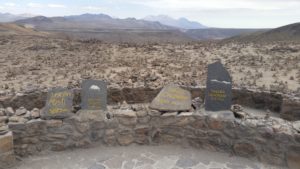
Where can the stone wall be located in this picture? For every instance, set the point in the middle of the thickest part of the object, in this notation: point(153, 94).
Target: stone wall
point(7, 156)
point(270, 140)
point(255, 99)
point(290, 109)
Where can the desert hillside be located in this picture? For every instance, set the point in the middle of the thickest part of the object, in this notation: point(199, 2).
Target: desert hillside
point(28, 62)
point(285, 33)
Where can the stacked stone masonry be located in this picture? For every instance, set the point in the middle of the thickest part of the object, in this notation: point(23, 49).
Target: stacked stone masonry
point(270, 140)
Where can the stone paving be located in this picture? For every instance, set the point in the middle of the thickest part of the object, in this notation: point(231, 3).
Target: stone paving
point(139, 157)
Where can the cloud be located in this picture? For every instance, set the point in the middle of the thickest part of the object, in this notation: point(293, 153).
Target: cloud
point(218, 4)
point(93, 8)
point(56, 6)
point(34, 5)
point(10, 4)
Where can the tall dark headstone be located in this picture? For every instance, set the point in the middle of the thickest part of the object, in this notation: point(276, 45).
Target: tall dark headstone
point(59, 103)
point(94, 95)
point(218, 93)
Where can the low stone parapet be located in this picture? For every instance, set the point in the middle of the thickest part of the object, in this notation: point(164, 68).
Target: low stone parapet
point(270, 140)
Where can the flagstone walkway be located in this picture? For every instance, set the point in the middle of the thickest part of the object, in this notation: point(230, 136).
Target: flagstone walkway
point(139, 157)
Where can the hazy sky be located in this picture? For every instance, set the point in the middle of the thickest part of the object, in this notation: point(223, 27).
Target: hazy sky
point(214, 13)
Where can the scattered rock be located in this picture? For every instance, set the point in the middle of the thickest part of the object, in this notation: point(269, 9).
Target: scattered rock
point(17, 119)
point(197, 103)
point(21, 111)
point(35, 113)
point(4, 129)
point(10, 111)
point(125, 106)
point(2, 112)
point(296, 126)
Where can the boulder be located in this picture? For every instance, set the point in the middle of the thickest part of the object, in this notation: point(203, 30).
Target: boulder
point(172, 98)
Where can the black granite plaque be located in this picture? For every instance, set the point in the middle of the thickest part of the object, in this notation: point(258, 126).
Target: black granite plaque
point(94, 95)
point(218, 92)
point(59, 103)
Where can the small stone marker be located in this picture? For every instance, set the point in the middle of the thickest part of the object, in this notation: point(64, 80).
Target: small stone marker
point(94, 95)
point(218, 92)
point(59, 103)
point(172, 98)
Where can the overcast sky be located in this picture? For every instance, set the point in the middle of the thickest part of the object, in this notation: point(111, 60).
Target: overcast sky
point(213, 13)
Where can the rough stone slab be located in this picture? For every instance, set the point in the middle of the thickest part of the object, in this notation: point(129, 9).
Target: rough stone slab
point(172, 98)
point(6, 143)
point(59, 104)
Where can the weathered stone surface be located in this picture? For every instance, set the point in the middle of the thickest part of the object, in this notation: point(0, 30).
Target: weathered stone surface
point(6, 143)
point(54, 123)
point(172, 98)
point(10, 111)
point(197, 103)
point(186, 162)
point(35, 113)
point(2, 112)
point(154, 113)
point(290, 109)
point(7, 160)
point(293, 160)
point(296, 125)
point(17, 119)
point(59, 104)
point(3, 119)
point(94, 95)
point(244, 149)
point(141, 113)
point(218, 93)
point(90, 115)
point(21, 111)
point(97, 166)
point(125, 140)
point(125, 113)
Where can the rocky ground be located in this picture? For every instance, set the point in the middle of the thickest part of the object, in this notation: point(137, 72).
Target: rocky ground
point(30, 62)
point(139, 157)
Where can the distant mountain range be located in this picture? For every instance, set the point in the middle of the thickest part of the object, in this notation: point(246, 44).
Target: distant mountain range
point(89, 22)
point(182, 23)
point(285, 33)
point(7, 17)
point(157, 28)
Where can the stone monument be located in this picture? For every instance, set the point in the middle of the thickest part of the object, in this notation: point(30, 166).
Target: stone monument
point(94, 95)
point(59, 103)
point(218, 92)
point(172, 98)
